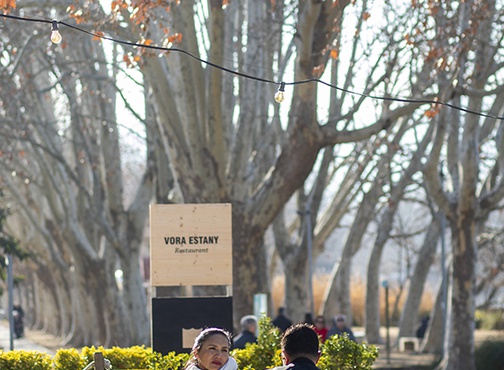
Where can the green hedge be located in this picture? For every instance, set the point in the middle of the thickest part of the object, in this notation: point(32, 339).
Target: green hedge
point(338, 353)
point(490, 356)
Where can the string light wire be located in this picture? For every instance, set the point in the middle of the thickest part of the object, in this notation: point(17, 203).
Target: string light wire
point(282, 84)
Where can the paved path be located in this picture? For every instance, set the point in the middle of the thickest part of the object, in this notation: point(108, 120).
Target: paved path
point(403, 360)
point(21, 343)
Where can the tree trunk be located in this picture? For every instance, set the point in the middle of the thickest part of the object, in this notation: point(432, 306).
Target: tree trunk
point(296, 288)
point(438, 334)
point(135, 302)
point(249, 273)
point(425, 258)
point(337, 296)
point(463, 304)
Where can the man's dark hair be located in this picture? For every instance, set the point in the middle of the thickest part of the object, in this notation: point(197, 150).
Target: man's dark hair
point(300, 340)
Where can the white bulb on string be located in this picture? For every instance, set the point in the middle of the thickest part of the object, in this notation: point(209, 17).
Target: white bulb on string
point(55, 35)
point(279, 95)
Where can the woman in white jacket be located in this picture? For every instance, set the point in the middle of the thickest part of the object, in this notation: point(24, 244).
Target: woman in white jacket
point(211, 351)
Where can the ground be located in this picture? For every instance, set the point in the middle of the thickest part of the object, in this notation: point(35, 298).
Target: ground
point(410, 360)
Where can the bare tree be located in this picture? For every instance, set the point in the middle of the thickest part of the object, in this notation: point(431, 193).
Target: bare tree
point(62, 143)
point(220, 157)
point(475, 185)
point(216, 135)
point(424, 260)
point(210, 127)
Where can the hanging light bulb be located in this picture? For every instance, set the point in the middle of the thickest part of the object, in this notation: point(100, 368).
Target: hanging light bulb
point(55, 35)
point(279, 95)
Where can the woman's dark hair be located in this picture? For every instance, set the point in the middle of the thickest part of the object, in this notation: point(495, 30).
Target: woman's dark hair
point(201, 338)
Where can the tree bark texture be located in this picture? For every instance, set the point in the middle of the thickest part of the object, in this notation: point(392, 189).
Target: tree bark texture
point(409, 314)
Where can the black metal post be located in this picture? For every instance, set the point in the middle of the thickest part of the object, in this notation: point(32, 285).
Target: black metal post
point(10, 288)
point(387, 319)
point(444, 290)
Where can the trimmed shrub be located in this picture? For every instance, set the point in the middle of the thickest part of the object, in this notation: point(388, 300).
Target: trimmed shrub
point(490, 319)
point(338, 353)
point(171, 361)
point(341, 353)
point(136, 357)
point(22, 360)
point(263, 354)
point(490, 356)
point(68, 359)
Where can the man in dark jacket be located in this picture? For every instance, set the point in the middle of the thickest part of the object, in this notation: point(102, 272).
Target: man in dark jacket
point(281, 321)
point(248, 334)
point(339, 328)
point(18, 314)
point(300, 348)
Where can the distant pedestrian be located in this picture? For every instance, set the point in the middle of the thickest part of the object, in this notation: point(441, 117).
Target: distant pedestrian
point(339, 327)
point(424, 323)
point(281, 321)
point(308, 318)
point(320, 328)
point(18, 315)
point(300, 348)
point(248, 334)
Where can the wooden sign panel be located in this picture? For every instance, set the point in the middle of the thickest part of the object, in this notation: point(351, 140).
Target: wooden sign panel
point(190, 244)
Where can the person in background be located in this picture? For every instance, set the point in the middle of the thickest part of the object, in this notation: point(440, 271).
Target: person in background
point(424, 324)
point(320, 328)
point(18, 315)
point(282, 322)
point(339, 327)
point(308, 318)
point(248, 325)
point(211, 351)
point(300, 348)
